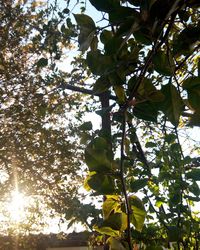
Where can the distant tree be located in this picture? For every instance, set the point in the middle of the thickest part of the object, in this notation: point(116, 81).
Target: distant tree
point(39, 153)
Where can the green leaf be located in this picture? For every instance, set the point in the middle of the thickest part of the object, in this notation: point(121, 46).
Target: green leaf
point(170, 138)
point(86, 126)
point(191, 82)
point(111, 205)
point(194, 188)
point(118, 15)
point(163, 63)
point(117, 221)
point(173, 234)
point(97, 160)
point(120, 93)
point(194, 98)
point(99, 64)
point(102, 184)
point(136, 185)
point(42, 62)
point(148, 91)
point(138, 212)
point(107, 230)
point(85, 21)
point(185, 41)
point(85, 185)
point(172, 106)
point(156, 96)
point(113, 45)
point(105, 36)
point(101, 85)
point(150, 145)
point(94, 43)
point(87, 31)
point(105, 5)
point(194, 174)
point(145, 87)
point(115, 244)
point(126, 26)
point(143, 36)
point(86, 40)
point(194, 120)
point(146, 111)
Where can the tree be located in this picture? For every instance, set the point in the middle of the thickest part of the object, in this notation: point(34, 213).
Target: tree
point(146, 59)
point(38, 138)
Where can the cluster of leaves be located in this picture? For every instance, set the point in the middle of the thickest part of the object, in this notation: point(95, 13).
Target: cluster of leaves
point(146, 55)
point(37, 135)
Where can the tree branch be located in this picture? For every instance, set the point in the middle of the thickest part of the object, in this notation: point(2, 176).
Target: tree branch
point(67, 86)
point(150, 56)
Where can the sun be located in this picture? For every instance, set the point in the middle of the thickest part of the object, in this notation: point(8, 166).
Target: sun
point(17, 207)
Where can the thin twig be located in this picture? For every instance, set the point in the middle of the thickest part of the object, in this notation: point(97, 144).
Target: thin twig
point(127, 205)
point(150, 56)
point(156, 47)
point(64, 86)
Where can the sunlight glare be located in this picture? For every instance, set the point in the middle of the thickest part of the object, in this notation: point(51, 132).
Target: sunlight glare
point(17, 206)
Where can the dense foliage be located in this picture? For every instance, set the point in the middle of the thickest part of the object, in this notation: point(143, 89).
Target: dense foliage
point(145, 56)
point(38, 141)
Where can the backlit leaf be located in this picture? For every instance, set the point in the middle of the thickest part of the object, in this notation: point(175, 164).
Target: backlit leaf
point(115, 244)
point(172, 106)
point(107, 230)
point(146, 111)
point(101, 85)
point(120, 93)
point(194, 174)
point(98, 63)
point(136, 185)
point(85, 21)
point(138, 212)
point(117, 221)
point(110, 205)
point(163, 63)
point(194, 98)
point(102, 184)
point(191, 82)
point(87, 30)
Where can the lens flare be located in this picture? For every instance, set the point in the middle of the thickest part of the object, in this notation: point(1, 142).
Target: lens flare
point(16, 207)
